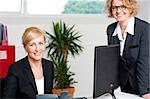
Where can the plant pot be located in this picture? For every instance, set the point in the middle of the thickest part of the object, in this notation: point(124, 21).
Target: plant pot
point(70, 91)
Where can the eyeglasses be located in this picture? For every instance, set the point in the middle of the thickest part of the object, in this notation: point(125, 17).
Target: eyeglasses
point(121, 7)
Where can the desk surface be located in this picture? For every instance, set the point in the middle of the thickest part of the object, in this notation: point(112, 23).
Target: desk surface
point(119, 95)
point(117, 92)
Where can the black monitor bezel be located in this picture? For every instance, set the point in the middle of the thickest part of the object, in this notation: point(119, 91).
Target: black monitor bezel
point(113, 79)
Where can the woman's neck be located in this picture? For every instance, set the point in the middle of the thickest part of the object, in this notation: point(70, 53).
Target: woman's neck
point(123, 24)
point(34, 63)
point(37, 69)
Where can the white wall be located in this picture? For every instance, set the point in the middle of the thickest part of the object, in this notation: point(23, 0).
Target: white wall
point(93, 28)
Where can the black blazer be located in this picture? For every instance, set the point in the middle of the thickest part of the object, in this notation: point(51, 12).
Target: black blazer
point(20, 82)
point(134, 64)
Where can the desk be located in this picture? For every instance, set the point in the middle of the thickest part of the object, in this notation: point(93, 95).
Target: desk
point(120, 95)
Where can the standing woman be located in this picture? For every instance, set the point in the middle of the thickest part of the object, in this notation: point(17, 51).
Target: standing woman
point(132, 34)
point(32, 74)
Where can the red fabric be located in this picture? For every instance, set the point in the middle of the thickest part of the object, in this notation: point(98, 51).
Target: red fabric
point(7, 57)
point(4, 42)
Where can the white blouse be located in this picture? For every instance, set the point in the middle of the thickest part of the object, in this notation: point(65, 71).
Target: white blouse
point(40, 85)
point(129, 29)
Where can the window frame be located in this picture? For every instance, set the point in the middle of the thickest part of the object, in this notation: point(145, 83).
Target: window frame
point(23, 11)
point(17, 11)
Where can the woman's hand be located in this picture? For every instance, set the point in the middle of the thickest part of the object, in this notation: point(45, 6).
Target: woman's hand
point(146, 96)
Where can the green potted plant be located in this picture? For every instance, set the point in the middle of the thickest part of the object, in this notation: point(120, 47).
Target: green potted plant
point(62, 42)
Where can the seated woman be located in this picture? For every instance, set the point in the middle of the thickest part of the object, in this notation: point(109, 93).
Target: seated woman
point(32, 74)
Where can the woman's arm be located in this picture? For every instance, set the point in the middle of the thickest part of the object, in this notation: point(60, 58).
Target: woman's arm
point(10, 84)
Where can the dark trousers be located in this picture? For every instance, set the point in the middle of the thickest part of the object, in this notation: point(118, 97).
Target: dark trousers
point(128, 89)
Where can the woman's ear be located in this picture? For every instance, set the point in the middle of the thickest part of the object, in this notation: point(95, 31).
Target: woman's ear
point(25, 48)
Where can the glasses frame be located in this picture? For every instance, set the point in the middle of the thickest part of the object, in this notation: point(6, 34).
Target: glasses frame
point(121, 7)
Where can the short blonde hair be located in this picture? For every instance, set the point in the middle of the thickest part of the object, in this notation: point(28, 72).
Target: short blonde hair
point(31, 33)
point(131, 4)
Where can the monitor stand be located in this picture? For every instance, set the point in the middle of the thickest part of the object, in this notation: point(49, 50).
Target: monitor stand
point(112, 94)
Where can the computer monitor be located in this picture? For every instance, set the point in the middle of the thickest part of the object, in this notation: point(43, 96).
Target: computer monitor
point(106, 69)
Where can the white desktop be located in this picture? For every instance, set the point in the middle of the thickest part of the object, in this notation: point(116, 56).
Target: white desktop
point(120, 95)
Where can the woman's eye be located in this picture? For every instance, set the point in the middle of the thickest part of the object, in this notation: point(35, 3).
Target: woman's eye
point(32, 44)
point(41, 43)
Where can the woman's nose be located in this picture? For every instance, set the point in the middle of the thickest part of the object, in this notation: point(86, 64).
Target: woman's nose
point(118, 9)
point(37, 47)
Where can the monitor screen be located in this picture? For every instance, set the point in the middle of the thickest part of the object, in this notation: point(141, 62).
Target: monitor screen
point(106, 69)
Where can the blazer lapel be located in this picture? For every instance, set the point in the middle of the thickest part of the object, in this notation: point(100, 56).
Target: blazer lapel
point(115, 40)
point(128, 42)
point(46, 78)
point(29, 75)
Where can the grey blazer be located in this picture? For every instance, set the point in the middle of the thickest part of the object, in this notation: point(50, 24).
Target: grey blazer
point(20, 82)
point(134, 65)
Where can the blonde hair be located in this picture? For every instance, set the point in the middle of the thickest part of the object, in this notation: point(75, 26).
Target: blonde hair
point(30, 34)
point(131, 4)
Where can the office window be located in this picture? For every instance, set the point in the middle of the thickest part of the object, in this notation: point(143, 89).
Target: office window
point(56, 7)
point(11, 6)
point(45, 6)
point(83, 7)
point(52, 7)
